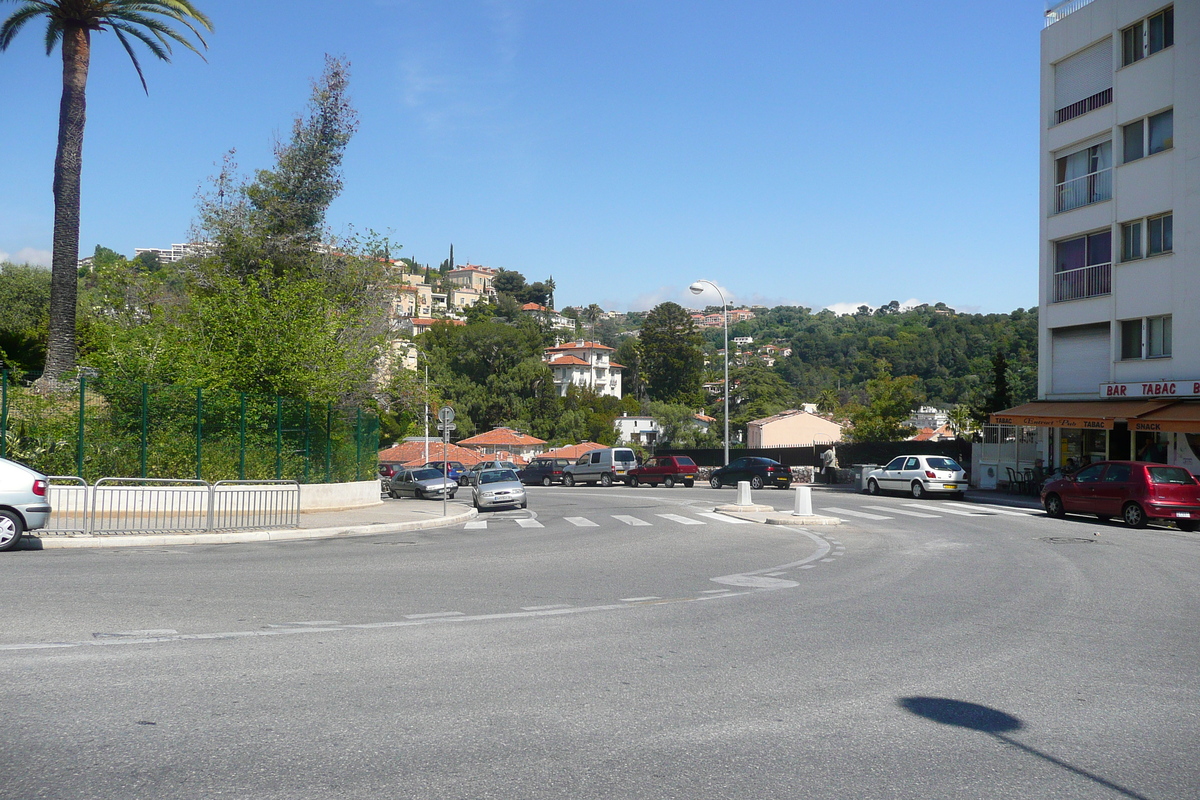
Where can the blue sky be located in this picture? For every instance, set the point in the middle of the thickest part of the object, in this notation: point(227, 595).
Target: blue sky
point(801, 153)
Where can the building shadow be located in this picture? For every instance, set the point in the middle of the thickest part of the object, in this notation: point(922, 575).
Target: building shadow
point(998, 725)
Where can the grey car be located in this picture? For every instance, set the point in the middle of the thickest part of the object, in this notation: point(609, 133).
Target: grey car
point(498, 488)
point(23, 502)
point(422, 483)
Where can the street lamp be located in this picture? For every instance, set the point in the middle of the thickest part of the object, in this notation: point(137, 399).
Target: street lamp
point(697, 288)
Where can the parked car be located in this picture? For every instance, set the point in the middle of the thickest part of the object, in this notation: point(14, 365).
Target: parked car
point(601, 466)
point(386, 471)
point(471, 476)
point(919, 476)
point(498, 488)
point(422, 483)
point(546, 470)
point(452, 470)
point(667, 470)
point(759, 471)
point(1135, 491)
point(23, 502)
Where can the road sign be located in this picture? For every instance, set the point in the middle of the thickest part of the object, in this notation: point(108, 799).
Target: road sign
point(446, 414)
point(447, 426)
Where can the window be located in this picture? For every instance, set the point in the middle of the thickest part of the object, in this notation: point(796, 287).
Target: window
point(1145, 137)
point(1083, 177)
point(1147, 237)
point(1146, 338)
point(1083, 82)
point(1083, 251)
point(1148, 36)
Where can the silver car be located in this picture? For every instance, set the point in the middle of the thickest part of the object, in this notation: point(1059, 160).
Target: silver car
point(422, 483)
point(919, 476)
point(497, 488)
point(23, 503)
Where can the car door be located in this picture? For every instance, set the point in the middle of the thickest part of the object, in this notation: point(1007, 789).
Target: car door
point(1111, 491)
point(738, 470)
point(1081, 496)
point(890, 479)
point(403, 483)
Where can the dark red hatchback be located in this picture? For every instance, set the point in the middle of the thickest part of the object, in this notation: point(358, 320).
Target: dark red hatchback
point(1136, 491)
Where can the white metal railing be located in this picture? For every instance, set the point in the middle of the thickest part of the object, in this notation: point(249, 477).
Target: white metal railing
point(1056, 11)
point(1076, 284)
point(135, 505)
point(1084, 190)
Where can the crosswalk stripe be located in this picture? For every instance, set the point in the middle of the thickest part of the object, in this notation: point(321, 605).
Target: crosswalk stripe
point(1012, 511)
point(945, 510)
point(681, 520)
point(850, 513)
point(629, 520)
point(530, 523)
point(723, 518)
point(902, 511)
point(582, 522)
point(476, 524)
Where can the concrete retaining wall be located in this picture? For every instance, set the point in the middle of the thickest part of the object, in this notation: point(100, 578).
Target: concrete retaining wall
point(332, 496)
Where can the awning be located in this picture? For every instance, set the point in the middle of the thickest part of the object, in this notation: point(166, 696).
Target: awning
point(1092, 414)
point(1181, 417)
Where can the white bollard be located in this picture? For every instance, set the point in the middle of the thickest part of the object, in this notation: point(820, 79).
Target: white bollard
point(743, 498)
point(803, 502)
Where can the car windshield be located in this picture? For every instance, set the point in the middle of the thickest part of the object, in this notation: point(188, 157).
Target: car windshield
point(1171, 475)
point(497, 476)
point(944, 463)
point(426, 474)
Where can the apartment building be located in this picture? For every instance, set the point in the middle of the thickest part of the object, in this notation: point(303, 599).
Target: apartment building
point(585, 364)
point(1119, 278)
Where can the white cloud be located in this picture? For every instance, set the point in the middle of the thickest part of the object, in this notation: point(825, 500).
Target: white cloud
point(28, 255)
point(845, 308)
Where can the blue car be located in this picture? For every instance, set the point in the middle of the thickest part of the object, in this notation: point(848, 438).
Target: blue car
point(454, 469)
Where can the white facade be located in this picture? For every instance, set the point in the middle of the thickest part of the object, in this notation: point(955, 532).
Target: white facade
point(584, 364)
point(1119, 276)
point(636, 430)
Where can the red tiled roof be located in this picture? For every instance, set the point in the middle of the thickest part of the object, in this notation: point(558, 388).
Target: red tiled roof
point(569, 361)
point(413, 454)
point(574, 450)
point(503, 436)
point(533, 307)
point(577, 346)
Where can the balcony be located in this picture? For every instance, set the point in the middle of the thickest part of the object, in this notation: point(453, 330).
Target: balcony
point(1083, 106)
point(1077, 284)
point(1056, 11)
point(1094, 187)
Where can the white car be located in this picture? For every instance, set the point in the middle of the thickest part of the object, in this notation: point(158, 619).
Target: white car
point(919, 476)
point(497, 488)
point(23, 505)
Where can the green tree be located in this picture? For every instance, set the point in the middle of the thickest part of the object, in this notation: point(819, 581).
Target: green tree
point(672, 364)
point(24, 314)
point(890, 402)
point(71, 23)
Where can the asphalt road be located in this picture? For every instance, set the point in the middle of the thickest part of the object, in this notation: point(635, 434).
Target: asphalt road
point(615, 643)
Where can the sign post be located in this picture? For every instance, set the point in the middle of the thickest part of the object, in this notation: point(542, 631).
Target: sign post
point(446, 424)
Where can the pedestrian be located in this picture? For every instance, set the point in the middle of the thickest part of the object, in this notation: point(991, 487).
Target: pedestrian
point(829, 465)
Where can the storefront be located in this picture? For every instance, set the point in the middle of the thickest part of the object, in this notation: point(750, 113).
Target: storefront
point(1152, 421)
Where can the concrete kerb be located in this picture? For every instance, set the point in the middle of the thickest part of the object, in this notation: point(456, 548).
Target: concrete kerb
point(34, 542)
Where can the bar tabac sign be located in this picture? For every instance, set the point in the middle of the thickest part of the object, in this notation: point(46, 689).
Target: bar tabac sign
point(1053, 422)
point(1150, 389)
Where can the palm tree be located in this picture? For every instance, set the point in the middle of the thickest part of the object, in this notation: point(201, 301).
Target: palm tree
point(71, 22)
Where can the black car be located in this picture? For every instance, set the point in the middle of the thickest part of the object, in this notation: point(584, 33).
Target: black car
point(545, 470)
point(759, 471)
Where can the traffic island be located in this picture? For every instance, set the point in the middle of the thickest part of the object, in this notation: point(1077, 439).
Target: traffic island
point(802, 516)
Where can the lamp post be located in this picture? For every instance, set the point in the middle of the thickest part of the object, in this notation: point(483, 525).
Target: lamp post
point(697, 288)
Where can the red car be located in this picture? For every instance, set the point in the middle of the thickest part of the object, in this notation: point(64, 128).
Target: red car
point(667, 470)
point(1136, 491)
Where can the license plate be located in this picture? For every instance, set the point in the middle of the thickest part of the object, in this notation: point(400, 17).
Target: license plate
point(1185, 514)
point(689, 477)
point(950, 486)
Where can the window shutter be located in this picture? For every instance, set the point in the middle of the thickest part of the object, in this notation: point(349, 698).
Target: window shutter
point(1081, 359)
point(1083, 75)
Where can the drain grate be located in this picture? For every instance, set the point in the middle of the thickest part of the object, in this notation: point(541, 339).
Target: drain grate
point(1068, 540)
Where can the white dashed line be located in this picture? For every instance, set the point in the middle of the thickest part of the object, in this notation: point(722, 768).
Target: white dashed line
point(681, 519)
point(545, 608)
point(638, 599)
point(530, 523)
point(582, 522)
point(434, 615)
point(851, 513)
point(716, 591)
point(1033, 512)
point(628, 520)
point(903, 511)
point(476, 524)
point(723, 518)
point(945, 510)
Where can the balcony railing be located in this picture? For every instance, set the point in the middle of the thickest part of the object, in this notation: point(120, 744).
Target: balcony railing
point(1083, 106)
point(1084, 190)
point(1056, 11)
point(1076, 284)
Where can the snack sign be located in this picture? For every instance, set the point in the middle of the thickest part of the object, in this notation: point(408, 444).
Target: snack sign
point(1150, 389)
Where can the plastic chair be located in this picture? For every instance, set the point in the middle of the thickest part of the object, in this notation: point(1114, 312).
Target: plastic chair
point(1016, 483)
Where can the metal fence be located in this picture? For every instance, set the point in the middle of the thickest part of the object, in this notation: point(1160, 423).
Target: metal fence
point(104, 428)
point(136, 505)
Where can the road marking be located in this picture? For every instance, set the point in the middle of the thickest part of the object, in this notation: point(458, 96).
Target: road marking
point(476, 524)
point(629, 520)
point(775, 574)
point(716, 591)
point(638, 599)
point(545, 608)
point(902, 511)
point(723, 518)
point(945, 510)
point(681, 519)
point(582, 522)
point(1033, 512)
point(808, 566)
point(434, 615)
point(530, 523)
point(827, 560)
point(848, 512)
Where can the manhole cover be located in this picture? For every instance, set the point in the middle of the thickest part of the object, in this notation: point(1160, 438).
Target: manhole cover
point(1068, 540)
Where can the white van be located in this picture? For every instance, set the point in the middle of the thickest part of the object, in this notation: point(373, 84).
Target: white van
point(601, 466)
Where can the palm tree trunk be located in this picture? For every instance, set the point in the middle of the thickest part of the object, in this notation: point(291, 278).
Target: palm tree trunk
point(68, 164)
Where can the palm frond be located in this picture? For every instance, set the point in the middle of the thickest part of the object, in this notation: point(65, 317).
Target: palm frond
point(14, 23)
point(132, 55)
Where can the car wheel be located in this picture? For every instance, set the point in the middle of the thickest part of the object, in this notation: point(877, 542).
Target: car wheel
point(668, 482)
point(634, 482)
point(524, 504)
point(11, 528)
point(715, 483)
point(546, 481)
point(918, 491)
point(394, 494)
point(1186, 525)
point(451, 495)
point(688, 484)
point(606, 479)
point(1134, 515)
point(872, 486)
point(756, 482)
point(1054, 506)
point(568, 480)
